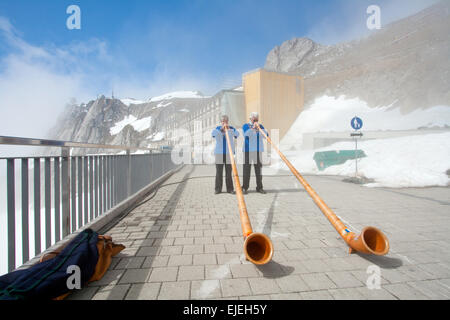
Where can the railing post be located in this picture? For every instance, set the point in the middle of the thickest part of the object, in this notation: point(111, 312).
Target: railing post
point(65, 174)
point(128, 173)
point(37, 205)
point(11, 215)
point(25, 212)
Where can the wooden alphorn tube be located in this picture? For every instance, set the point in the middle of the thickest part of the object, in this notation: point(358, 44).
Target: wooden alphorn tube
point(258, 248)
point(370, 241)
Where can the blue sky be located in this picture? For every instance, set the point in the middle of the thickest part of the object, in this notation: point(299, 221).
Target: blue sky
point(146, 48)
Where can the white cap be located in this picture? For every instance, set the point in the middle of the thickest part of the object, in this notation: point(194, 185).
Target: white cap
point(254, 115)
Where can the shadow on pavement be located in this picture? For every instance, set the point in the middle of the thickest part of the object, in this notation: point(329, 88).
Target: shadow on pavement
point(382, 261)
point(273, 270)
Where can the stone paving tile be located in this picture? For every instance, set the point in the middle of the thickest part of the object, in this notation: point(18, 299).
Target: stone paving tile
point(405, 292)
point(346, 294)
point(205, 259)
point(217, 272)
point(395, 276)
point(264, 286)
point(183, 241)
point(292, 283)
point(171, 250)
point(215, 248)
point(243, 270)
point(186, 236)
point(191, 273)
point(130, 263)
point(193, 249)
point(86, 293)
point(111, 292)
point(228, 258)
point(144, 291)
point(235, 287)
point(257, 297)
point(318, 281)
point(317, 265)
point(206, 289)
point(135, 276)
point(439, 270)
point(316, 295)
point(110, 278)
point(286, 296)
point(433, 289)
point(179, 290)
point(180, 260)
point(155, 261)
point(147, 251)
point(344, 279)
point(375, 294)
point(163, 274)
point(363, 276)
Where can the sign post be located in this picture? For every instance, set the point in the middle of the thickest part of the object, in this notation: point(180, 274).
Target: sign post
point(356, 124)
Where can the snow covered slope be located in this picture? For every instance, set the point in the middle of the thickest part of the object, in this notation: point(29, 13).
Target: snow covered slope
point(331, 114)
point(413, 161)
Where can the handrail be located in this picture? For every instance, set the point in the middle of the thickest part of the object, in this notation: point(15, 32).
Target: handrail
point(21, 141)
point(71, 190)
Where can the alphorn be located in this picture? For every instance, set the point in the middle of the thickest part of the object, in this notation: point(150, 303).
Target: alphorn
point(370, 241)
point(258, 248)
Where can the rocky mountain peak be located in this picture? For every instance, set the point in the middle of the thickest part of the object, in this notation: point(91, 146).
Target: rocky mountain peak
point(291, 54)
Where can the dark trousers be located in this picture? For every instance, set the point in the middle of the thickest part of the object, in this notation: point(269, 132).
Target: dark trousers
point(255, 159)
point(223, 161)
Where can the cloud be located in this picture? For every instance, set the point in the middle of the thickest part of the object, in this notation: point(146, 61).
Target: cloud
point(348, 22)
point(35, 84)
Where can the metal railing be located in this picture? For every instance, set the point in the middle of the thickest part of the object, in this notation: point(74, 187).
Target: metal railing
point(75, 189)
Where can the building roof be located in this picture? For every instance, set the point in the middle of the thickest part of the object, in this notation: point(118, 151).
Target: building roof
point(294, 74)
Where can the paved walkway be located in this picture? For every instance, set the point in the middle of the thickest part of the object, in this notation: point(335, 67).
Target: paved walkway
point(186, 243)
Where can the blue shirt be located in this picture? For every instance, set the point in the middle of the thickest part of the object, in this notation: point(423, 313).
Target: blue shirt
point(221, 140)
point(253, 139)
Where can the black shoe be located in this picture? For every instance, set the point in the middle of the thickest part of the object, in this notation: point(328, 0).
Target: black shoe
point(232, 192)
point(244, 191)
point(217, 192)
point(262, 191)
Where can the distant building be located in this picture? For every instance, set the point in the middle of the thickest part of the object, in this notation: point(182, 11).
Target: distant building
point(277, 97)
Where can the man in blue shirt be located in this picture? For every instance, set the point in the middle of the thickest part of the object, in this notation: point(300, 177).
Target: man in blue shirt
point(253, 147)
point(222, 155)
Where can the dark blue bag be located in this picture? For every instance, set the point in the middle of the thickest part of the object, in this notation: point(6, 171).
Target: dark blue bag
point(48, 279)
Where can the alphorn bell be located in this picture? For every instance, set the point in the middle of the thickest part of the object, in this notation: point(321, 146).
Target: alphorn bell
point(258, 248)
point(370, 241)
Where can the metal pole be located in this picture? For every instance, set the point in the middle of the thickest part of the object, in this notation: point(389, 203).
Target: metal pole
point(356, 157)
point(65, 173)
point(37, 205)
point(11, 233)
point(128, 173)
point(25, 212)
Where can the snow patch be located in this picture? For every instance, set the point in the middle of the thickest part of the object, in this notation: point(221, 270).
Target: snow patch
point(179, 94)
point(158, 136)
point(162, 105)
point(130, 101)
point(138, 124)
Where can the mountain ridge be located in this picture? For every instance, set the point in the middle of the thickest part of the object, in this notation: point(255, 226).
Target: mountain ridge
point(381, 68)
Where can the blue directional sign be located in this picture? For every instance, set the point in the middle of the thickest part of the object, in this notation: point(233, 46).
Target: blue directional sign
point(356, 123)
